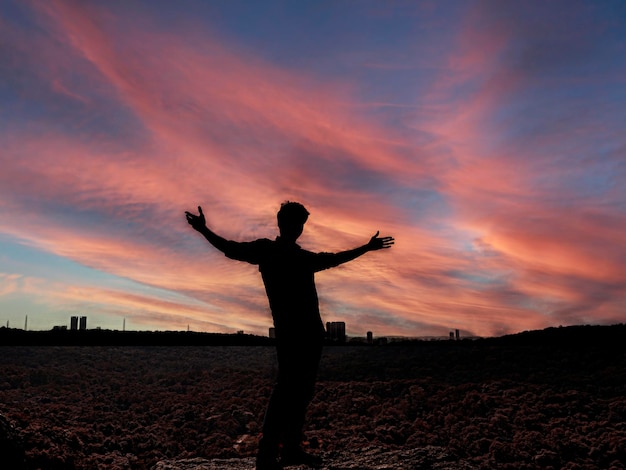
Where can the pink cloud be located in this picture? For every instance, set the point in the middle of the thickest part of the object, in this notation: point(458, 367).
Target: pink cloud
point(9, 283)
point(522, 200)
point(252, 99)
point(105, 305)
point(214, 126)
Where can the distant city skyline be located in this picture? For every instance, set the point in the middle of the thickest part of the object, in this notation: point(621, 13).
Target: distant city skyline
point(334, 330)
point(487, 137)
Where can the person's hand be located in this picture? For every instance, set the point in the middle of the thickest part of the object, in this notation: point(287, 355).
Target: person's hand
point(198, 222)
point(376, 242)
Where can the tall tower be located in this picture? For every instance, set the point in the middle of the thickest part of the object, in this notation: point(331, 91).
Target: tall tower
point(83, 323)
point(74, 323)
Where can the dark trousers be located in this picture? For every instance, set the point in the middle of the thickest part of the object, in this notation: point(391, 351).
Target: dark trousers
point(298, 361)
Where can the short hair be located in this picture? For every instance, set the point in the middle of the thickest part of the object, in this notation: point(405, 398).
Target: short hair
point(292, 212)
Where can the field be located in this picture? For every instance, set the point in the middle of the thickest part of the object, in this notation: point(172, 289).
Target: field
point(551, 399)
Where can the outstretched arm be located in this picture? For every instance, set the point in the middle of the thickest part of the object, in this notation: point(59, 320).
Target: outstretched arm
point(375, 243)
point(198, 222)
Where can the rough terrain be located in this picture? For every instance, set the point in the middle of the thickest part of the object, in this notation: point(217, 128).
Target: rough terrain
point(553, 399)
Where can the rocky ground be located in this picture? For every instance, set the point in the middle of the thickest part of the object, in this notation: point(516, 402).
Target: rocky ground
point(554, 399)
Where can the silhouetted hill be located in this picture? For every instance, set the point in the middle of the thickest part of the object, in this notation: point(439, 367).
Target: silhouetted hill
point(568, 336)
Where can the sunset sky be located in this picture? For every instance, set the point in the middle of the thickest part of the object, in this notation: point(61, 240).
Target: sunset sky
point(487, 137)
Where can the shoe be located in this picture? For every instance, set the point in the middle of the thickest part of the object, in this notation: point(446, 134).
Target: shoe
point(298, 456)
point(267, 455)
point(267, 464)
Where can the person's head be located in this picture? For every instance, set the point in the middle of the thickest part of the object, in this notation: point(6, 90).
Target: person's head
point(291, 218)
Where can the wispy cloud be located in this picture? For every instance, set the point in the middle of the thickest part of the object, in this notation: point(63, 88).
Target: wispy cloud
point(502, 191)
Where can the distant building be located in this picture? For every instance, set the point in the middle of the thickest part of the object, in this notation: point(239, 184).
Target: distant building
point(336, 331)
point(370, 337)
point(458, 334)
point(452, 336)
point(83, 323)
point(73, 323)
point(272, 333)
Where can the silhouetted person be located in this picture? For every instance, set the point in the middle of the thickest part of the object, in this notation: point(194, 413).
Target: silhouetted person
point(288, 274)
